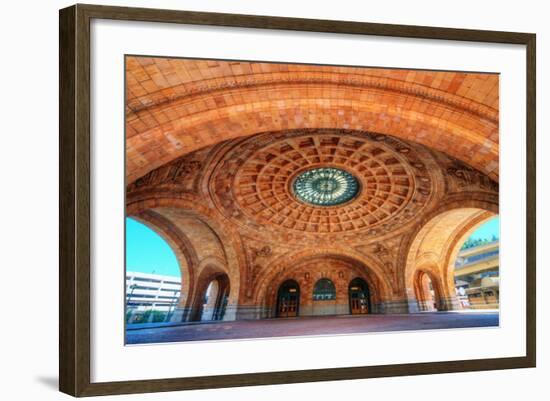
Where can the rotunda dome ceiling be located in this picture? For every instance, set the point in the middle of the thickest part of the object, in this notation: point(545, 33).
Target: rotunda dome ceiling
point(321, 181)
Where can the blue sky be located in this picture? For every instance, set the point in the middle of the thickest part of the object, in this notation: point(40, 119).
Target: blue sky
point(147, 252)
point(488, 229)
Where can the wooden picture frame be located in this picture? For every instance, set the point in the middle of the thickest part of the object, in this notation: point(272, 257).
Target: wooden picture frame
point(74, 205)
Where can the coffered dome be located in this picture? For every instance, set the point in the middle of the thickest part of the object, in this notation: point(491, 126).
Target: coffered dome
point(320, 181)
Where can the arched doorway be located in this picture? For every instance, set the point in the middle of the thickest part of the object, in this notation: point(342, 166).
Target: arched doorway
point(426, 292)
point(307, 268)
point(288, 299)
point(359, 297)
point(215, 299)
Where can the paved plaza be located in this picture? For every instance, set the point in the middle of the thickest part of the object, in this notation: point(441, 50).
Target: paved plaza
point(304, 326)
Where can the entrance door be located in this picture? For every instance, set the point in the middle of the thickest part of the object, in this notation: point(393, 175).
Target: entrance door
point(359, 299)
point(288, 299)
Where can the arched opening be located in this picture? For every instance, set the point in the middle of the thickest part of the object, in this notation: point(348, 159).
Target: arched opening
point(204, 241)
point(476, 267)
point(288, 299)
point(359, 297)
point(307, 268)
point(153, 275)
point(426, 292)
point(214, 301)
point(434, 249)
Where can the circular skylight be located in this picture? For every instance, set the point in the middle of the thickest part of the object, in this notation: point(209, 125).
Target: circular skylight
point(325, 186)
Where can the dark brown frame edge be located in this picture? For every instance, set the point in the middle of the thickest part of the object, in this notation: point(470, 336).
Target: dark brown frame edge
point(74, 199)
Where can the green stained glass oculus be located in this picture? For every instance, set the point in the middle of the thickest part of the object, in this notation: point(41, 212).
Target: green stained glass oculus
point(325, 186)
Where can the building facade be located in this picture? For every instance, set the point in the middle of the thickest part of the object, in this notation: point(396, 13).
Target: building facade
point(151, 297)
point(477, 276)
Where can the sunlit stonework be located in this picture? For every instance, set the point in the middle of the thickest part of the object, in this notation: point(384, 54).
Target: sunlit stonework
point(304, 191)
point(325, 186)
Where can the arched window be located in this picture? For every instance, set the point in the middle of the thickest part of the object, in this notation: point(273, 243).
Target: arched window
point(324, 290)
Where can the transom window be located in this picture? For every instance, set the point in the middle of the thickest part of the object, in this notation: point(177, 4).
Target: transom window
point(324, 290)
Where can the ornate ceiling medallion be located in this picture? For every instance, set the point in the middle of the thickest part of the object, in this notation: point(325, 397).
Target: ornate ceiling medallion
point(325, 186)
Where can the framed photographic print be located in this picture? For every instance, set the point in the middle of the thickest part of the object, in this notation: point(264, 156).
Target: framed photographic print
point(250, 200)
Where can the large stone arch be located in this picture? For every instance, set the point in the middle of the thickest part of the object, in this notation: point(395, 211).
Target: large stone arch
point(420, 290)
point(199, 113)
point(229, 241)
point(340, 274)
point(434, 245)
point(211, 269)
point(182, 248)
point(366, 267)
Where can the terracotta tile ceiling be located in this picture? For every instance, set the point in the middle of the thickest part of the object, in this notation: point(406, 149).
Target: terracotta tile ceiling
point(249, 184)
point(177, 106)
point(393, 180)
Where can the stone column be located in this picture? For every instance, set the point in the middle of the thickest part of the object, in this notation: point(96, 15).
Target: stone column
point(395, 306)
point(449, 303)
point(180, 314)
point(250, 312)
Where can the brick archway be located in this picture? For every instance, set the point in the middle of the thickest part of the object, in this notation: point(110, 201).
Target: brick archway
point(182, 248)
point(338, 266)
point(422, 291)
point(202, 104)
point(434, 246)
point(212, 272)
point(231, 256)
